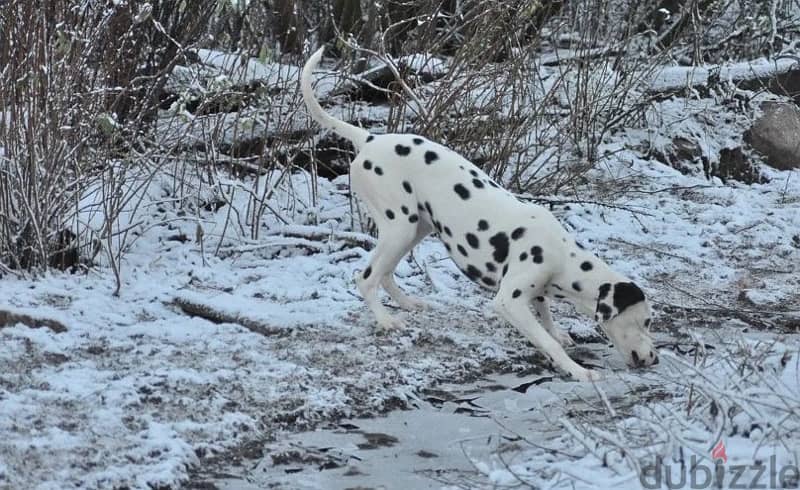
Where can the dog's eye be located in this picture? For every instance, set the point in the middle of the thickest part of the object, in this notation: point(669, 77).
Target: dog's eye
point(647, 323)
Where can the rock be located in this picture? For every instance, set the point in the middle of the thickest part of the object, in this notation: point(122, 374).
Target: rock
point(776, 135)
point(736, 164)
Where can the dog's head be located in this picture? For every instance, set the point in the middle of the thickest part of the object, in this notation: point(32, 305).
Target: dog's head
point(624, 315)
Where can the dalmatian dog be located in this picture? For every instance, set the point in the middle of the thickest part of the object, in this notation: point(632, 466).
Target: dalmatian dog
point(412, 187)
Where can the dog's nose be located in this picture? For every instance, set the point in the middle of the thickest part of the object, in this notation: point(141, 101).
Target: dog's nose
point(655, 360)
point(635, 357)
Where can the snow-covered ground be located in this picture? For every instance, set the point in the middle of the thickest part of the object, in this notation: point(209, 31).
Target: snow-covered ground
point(138, 394)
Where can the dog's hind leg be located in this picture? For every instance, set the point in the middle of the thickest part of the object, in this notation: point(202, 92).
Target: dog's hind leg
point(394, 241)
point(542, 306)
point(511, 303)
point(404, 300)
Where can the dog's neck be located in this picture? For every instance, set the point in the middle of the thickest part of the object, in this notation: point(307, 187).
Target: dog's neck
point(585, 300)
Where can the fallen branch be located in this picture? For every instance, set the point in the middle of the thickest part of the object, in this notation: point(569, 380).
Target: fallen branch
point(194, 307)
point(8, 318)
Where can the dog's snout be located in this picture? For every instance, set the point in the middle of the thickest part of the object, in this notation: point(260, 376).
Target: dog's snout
point(642, 361)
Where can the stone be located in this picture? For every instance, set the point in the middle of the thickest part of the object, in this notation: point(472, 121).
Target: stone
point(776, 135)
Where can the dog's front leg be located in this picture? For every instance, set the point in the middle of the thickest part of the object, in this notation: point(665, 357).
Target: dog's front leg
point(542, 306)
point(512, 303)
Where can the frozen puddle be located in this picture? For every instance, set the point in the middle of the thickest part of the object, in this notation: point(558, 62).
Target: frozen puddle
point(446, 441)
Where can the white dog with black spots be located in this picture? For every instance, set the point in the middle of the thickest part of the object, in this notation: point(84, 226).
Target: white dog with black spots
point(412, 187)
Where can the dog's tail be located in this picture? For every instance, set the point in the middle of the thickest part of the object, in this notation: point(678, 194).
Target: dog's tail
point(356, 135)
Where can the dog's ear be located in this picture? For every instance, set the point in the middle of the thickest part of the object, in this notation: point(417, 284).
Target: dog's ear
point(614, 299)
point(626, 294)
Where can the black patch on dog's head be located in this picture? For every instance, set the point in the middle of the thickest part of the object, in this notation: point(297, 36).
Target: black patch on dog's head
point(614, 299)
point(603, 312)
point(402, 150)
point(430, 157)
point(626, 294)
point(462, 191)
point(500, 243)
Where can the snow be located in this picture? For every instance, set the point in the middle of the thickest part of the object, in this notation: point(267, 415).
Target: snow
point(139, 394)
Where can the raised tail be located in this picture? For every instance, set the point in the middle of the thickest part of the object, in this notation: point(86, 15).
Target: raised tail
point(356, 135)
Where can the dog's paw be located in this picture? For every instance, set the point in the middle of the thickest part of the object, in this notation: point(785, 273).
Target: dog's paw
point(564, 338)
point(587, 375)
point(388, 322)
point(413, 304)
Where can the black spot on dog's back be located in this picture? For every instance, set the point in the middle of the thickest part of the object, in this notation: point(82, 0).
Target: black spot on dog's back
point(407, 186)
point(536, 253)
point(477, 183)
point(517, 233)
point(473, 272)
point(367, 272)
point(586, 266)
point(483, 225)
point(418, 141)
point(367, 165)
point(462, 191)
point(490, 267)
point(472, 240)
point(390, 214)
point(430, 157)
point(500, 243)
point(489, 281)
point(462, 250)
point(402, 150)
point(370, 138)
